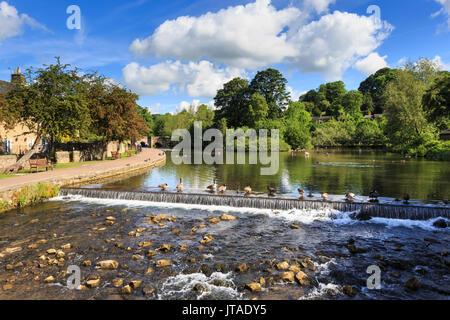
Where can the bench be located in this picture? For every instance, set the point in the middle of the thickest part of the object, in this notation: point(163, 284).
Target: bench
point(115, 155)
point(40, 163)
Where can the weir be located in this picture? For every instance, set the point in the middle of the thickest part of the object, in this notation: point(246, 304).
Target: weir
point(412, 212)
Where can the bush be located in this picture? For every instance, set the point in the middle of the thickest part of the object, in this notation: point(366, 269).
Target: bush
point(438, 150)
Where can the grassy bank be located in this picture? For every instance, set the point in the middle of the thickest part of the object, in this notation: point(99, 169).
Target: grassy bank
point(29, 195)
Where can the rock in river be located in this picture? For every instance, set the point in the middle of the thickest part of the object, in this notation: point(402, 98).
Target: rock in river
point(413, 284)
point(108, 264)
point(283, 265)
point(253, 287)
point(163, 263)
point(227, 217)
point(288, 276)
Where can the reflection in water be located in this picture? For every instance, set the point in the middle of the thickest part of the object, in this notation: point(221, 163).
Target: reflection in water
point(359, 172)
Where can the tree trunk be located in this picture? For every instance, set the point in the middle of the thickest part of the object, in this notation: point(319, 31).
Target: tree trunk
point(19, 165)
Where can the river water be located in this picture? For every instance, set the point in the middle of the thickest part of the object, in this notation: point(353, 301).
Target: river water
point(332, 249)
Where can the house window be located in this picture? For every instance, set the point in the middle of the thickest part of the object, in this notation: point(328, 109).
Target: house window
point(8, 146)
point(30, 143)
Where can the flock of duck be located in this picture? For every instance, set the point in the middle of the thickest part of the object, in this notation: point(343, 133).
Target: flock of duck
point(349, 196)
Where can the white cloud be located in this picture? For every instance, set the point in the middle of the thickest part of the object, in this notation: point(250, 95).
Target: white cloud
point(295, 94)
point(336, 41)
point(319, 6)
point(248, 36)
point(371, 64)
point(258, 35)
point(442, 65)
point(12, 23)
point(201, 79)
point(444, 11)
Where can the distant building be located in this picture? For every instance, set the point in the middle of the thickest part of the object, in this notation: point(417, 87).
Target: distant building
point(445, 135)
point(15, 141)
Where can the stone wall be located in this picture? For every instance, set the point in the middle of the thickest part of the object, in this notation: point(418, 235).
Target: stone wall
point(6, 161)
point(62, 157)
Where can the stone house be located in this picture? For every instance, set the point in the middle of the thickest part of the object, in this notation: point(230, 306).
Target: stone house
point(15, 141)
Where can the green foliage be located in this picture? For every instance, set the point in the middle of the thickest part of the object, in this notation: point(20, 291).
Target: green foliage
point(231, 100)
point(436, 101)
point(52, 104)
point(34, 193)
point(438, 150)
point(271, 85)
point(373, 90)
point(298, 126)
point(407, 128)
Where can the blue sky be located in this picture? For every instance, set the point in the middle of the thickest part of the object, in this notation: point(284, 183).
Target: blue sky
point(178, 52)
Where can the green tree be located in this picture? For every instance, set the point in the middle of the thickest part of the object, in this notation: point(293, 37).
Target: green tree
point(373, 90)
point(145, 114)
point(407, 128)
point(271, 85)
point(298, 126)
point(436, 101)
point(258, 110)
point(352, 102)
point(114, 111)
point(231, 100)
point(52, 104)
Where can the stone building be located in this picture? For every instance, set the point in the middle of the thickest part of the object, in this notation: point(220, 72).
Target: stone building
point(14, 141)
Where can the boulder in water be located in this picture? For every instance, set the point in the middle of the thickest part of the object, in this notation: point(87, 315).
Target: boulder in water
point(288, 276)
point(227, 217)
point(242, 267)
point(108, 264)
point(253, 287)
point(413, 284)
point(163, 263)
point(363, 216)
point(441, 223)
point(349, 291)
point(283, 265)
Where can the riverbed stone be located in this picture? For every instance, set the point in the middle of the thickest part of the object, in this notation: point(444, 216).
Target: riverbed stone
point(207, 239)
point(117, 282)
point(214, 220)
point(288, 276)
point(413, 284)
point(227, 217)
point(49, 279)
point(93, 283)
point(165, 248)
point(303, 279)
point(164, 263)
point(283, 265)
point(87, 263)
point(441, 223)
point(126, 290)
point(349, 291)
point(135, 284)
point(253, 287)
point(242, 267)
point(108, 264)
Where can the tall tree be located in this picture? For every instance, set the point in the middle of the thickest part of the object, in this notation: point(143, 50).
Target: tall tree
point(407, 127)
point(231, 100)
point(436, 101)
point(373, 90)
point(51, 104)
point(114, 111)
point(298, 125)
point(271, 85)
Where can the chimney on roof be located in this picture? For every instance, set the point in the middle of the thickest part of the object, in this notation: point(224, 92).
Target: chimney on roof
point(17, 77)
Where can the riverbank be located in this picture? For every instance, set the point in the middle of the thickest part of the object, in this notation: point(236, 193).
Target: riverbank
point(23, 190)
